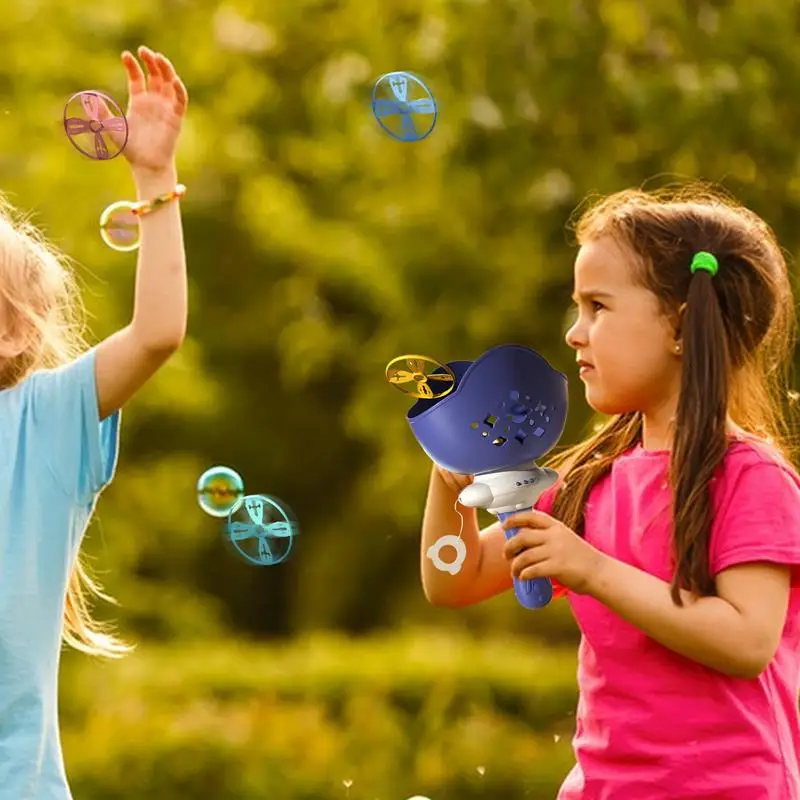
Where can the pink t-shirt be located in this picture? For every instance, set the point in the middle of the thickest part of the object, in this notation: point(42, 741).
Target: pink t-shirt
point(652, 724)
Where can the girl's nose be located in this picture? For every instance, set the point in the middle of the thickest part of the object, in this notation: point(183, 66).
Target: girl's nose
point(576, 337)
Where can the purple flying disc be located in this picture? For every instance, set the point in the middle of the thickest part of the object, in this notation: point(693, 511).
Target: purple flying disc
point(90, 128)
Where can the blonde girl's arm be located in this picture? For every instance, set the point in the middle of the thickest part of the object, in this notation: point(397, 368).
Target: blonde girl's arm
point(485, 571)
point(128, 359)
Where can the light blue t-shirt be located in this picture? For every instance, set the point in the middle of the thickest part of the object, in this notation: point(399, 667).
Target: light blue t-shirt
point(55, 457)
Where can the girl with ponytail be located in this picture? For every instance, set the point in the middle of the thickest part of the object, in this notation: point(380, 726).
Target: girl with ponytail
point(674, 531)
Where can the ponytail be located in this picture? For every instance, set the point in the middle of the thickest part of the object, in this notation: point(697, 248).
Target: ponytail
point(700, 439)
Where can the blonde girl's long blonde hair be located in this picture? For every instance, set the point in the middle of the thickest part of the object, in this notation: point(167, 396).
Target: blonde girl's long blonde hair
point(43, 307)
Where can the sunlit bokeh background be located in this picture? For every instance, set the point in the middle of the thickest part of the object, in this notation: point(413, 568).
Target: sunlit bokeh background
point(319, 249)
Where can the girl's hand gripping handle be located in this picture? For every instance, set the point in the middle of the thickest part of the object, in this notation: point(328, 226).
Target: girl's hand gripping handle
point(532, 594)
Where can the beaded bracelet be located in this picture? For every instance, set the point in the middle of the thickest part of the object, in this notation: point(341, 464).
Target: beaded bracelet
point(144, 208)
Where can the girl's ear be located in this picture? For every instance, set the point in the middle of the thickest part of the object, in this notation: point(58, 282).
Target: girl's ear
point(11, 347)
point(15, 339)
point(677, 327)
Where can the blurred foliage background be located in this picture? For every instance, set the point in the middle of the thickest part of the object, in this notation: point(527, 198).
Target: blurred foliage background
point(319, 249)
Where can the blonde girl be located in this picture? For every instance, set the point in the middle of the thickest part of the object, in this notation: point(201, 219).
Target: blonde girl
point(59, 427)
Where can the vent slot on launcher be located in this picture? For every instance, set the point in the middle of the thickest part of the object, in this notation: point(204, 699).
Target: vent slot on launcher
point(518, 414)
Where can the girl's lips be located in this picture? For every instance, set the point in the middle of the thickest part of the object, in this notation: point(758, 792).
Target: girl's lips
point(584, 369)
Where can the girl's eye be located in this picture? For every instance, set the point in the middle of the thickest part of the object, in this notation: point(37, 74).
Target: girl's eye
point(596, 305)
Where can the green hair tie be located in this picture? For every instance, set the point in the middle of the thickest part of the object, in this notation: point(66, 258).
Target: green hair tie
point(706, 261)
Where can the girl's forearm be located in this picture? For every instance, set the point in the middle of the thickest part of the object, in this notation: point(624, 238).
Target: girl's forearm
point(708, 630)
point(441, 518)
point(160, 304)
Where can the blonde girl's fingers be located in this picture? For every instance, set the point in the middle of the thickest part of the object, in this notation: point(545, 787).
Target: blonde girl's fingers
point(166, 72)
point(136, 80)
point(173, 85)
point(181, 95)
point(154, 79)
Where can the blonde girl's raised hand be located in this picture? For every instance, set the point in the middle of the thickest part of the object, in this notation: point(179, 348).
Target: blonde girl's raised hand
point(157, 103)
point(129, 358)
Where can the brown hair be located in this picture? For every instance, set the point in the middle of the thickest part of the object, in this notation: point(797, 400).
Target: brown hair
point(42, 308)
point(737, 331)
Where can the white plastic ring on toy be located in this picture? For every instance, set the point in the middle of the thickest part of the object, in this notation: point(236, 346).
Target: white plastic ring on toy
point(454, 566)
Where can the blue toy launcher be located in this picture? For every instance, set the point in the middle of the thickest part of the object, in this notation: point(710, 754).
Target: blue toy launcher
point(507, 409)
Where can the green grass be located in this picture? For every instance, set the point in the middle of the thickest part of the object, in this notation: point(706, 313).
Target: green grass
point(422, 712)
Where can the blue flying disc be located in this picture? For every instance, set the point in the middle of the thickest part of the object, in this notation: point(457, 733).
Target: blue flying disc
point(404, 106)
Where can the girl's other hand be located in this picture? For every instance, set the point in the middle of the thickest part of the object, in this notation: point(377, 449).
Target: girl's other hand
point(453, 480)
point(544, 547)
